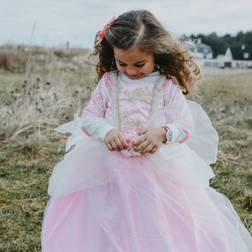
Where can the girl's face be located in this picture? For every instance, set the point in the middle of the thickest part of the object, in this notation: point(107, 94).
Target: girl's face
point(134, 62)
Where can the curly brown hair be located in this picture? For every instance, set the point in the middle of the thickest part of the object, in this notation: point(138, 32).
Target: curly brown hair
point(141, 29)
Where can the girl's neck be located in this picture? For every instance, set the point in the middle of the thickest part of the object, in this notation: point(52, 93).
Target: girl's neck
point(152, 77)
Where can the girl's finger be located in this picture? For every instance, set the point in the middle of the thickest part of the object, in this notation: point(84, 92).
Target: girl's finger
point(123, 141)
point(113, 144)
point(147, 149)
point(154, 149)
point(142, 131)
point(142, 146)
point(139, 141)
point(109, 146)
point(118, 144)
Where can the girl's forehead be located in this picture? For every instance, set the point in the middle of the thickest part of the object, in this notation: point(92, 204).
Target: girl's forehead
point(132, 54)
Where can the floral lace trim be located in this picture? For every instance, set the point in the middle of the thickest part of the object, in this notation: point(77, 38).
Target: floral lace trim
point(129, 123)
point(107, 83)
point(152, 102)
point(100, 97)
point(112, 78)
point(99, 101)
point(143, 95)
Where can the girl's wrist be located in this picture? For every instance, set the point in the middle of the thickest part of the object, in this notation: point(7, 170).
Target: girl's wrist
point(164, 131)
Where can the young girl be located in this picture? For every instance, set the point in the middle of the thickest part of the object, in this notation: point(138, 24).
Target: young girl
point(137, 179)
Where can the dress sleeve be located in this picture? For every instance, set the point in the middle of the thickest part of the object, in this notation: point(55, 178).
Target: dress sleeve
point(179, 120)
point(93, 116)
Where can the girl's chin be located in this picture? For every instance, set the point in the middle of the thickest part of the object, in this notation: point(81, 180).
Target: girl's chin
point(135, 77)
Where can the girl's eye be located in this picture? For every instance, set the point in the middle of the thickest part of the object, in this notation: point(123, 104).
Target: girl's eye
point(140, 65)
point(123, 65)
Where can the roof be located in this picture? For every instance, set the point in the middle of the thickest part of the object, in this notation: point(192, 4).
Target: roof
point(239, 53)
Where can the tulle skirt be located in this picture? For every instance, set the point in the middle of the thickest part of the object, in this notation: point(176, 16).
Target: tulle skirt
point(102, 201)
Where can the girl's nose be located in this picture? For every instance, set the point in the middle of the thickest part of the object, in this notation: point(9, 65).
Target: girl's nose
point(131, 71)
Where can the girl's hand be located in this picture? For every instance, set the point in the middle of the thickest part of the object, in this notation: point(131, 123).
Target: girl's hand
point(149, 140)
point(115, 140)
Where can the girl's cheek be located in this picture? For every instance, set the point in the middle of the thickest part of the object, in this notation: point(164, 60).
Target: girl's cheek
point(144, 69)
point(120, 69)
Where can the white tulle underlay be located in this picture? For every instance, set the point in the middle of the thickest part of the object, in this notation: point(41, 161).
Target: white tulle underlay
point(90, 164)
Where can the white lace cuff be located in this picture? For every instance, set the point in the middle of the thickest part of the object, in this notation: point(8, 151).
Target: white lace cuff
point(97, 127)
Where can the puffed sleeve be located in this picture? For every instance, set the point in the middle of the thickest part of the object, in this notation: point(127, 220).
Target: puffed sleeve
point(93, 116)
point(179, 120)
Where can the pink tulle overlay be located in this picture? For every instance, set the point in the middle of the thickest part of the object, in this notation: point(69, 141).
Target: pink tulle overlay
point(160, 202)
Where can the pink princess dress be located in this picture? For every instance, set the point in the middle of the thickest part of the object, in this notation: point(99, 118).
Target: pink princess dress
point(102, 201)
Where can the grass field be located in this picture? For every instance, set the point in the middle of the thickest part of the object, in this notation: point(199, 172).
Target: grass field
point(34, 102)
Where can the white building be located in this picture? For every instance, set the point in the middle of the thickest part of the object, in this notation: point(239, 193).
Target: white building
point(227, 61)
point(200, 50)
point(204, 56)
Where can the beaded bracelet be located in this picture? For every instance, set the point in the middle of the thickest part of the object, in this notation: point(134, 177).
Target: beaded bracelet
point(175, 135)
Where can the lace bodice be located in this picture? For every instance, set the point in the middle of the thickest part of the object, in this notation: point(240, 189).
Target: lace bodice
point(130, 105)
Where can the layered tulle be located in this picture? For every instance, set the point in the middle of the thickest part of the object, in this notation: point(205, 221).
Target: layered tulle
point(90, 163)
point(141, 210)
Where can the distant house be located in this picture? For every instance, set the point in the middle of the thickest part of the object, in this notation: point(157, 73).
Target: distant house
point(204, 56)
point(241, 53)
point(200, 50)
point(229, 61)
point(225, 60)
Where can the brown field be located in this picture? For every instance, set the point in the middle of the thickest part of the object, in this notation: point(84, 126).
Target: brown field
point(49, 87)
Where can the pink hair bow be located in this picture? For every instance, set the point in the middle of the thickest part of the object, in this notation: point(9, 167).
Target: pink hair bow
point(101, 33)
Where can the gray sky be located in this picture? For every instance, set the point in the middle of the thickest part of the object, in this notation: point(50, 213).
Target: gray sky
point(53, 22)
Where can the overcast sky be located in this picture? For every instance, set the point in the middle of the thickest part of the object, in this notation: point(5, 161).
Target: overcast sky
point(53, 22)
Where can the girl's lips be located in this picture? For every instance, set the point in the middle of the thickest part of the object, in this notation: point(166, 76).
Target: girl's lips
point(134, 77)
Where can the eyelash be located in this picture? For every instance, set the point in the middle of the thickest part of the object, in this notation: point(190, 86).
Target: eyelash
point(123, 65)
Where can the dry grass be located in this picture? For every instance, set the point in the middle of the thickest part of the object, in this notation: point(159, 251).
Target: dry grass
point(36, 101)
point(227, 97)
